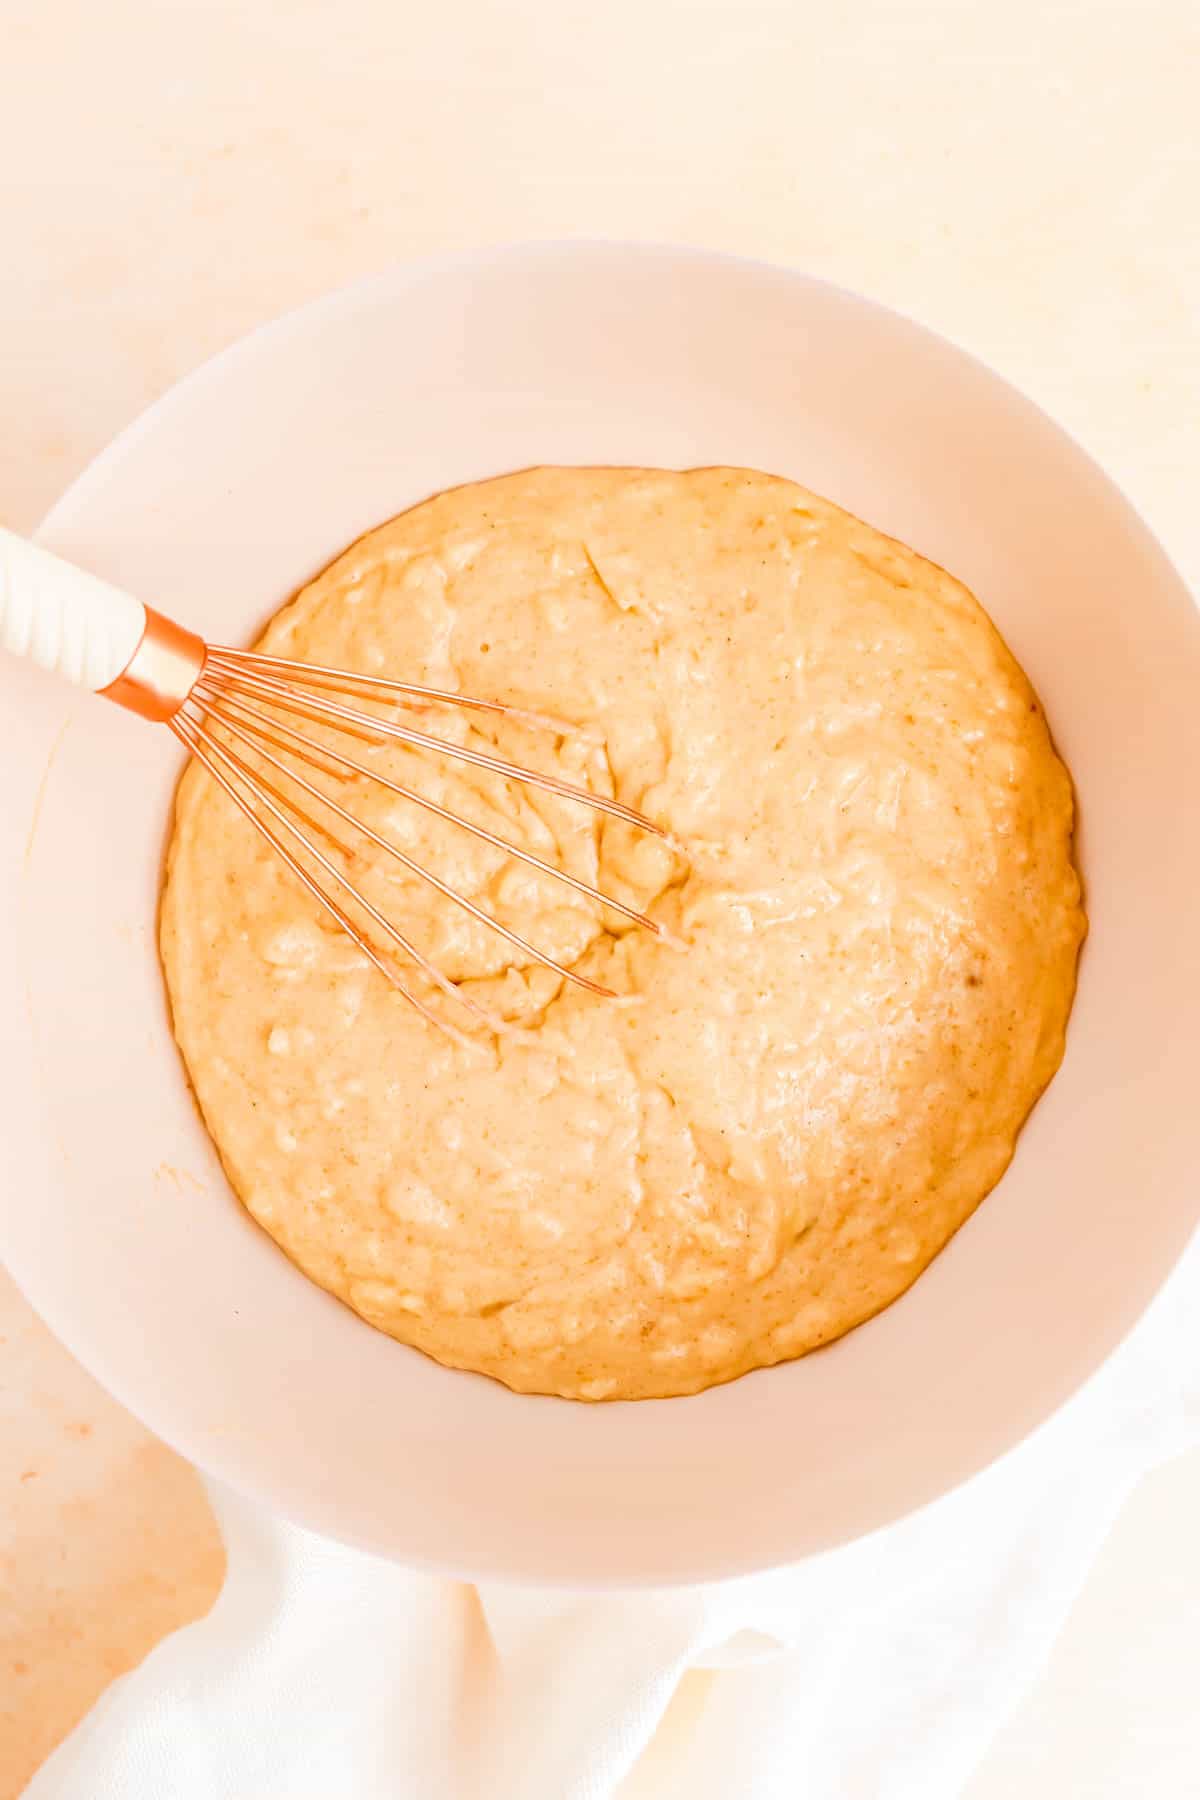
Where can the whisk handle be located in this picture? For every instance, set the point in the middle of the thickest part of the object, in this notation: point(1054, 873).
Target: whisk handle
point(64, 619)
point(80, 627)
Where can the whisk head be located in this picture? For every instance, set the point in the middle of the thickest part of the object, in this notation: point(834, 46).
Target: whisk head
point(240, 722)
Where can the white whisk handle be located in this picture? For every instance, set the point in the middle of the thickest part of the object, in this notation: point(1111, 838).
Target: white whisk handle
point(64, 619)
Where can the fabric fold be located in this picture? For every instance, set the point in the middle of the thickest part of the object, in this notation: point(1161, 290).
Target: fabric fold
point(878, 1671)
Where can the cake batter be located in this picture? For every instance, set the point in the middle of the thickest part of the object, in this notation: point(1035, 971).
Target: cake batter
point(873, 923)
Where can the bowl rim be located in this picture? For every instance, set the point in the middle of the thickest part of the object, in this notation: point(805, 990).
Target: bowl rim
point(414, 269)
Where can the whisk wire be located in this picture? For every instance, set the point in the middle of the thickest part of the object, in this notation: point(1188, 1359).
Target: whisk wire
point(229, 691)
point(284, 696)
point(188, 734)
point(274, 731)
point(408, 863)
point(346, 681)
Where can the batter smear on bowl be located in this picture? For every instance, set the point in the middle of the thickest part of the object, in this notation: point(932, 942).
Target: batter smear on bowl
point(798, 1098)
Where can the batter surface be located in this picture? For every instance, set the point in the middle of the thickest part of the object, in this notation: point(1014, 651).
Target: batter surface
point(772, 1131)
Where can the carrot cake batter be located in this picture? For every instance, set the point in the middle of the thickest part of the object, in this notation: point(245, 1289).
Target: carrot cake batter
point(798, 1097)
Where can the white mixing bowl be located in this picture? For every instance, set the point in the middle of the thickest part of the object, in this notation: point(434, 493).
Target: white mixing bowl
point(114, 1213)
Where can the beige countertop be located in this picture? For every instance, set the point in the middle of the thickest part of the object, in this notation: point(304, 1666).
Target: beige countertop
point(1023, 175)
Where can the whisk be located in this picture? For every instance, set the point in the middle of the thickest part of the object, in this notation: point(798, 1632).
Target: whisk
point(225, 704)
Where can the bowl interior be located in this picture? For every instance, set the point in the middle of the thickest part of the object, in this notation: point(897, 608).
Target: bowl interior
point(240, 484)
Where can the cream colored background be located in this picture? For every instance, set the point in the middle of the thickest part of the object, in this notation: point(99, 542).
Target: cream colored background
point(1023, 175)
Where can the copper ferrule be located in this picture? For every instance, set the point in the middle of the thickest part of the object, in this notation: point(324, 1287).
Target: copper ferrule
point(162, 671)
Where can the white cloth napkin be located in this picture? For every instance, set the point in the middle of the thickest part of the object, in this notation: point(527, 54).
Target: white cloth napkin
point(879, 1671)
